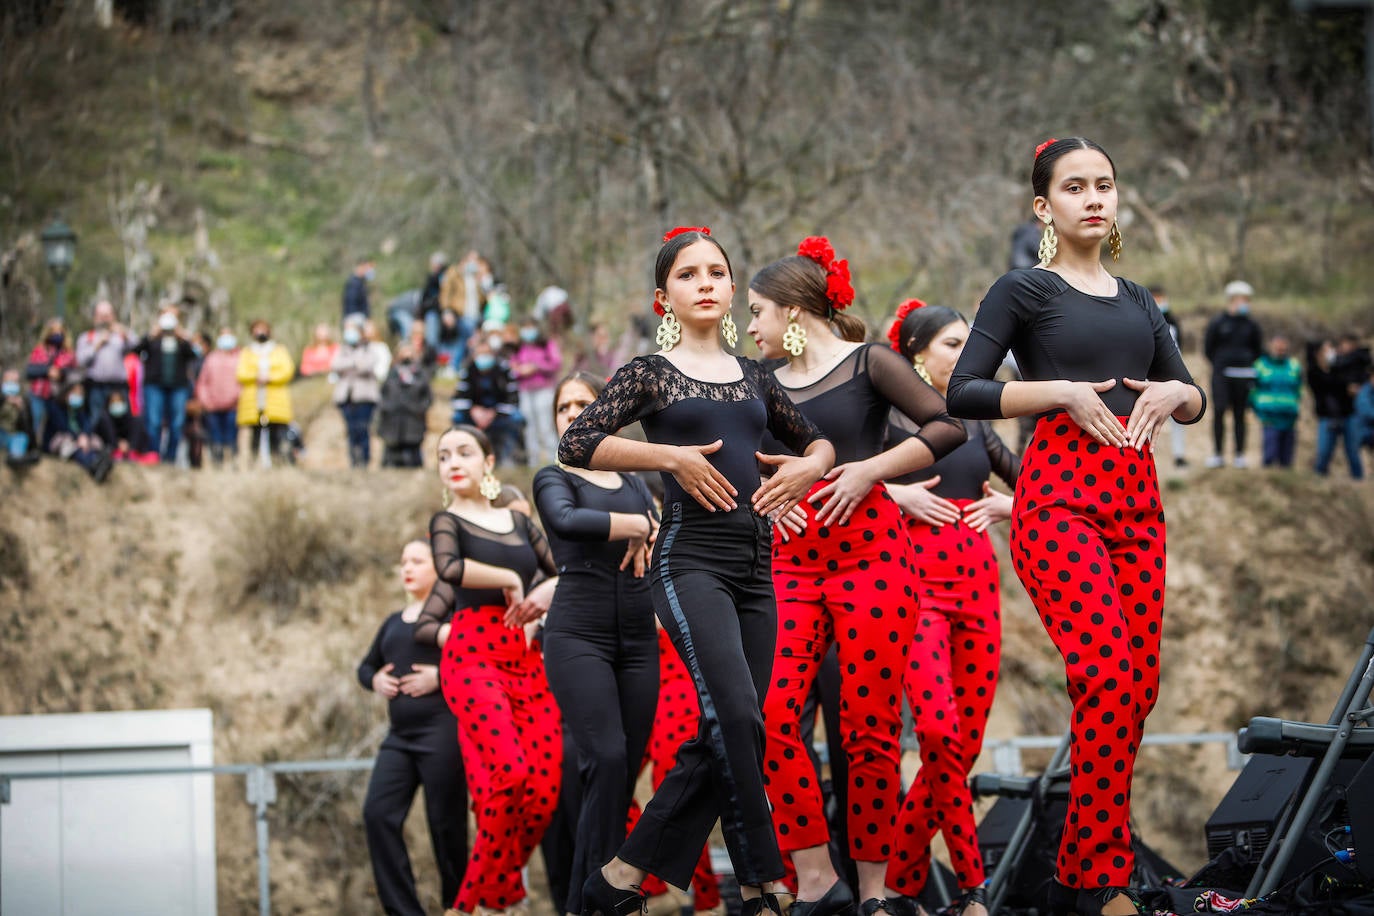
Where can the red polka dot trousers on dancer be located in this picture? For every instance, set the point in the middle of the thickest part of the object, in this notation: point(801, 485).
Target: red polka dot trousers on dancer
point(1087, 538)
point(676, 720)
point(512, 743)
point(951, 676)
point(850, 584)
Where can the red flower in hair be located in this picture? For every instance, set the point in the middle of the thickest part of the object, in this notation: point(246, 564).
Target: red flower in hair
point(680, 230)
point(894, 333)
point(1041, 148)
point(659, 310)
point(838, 288)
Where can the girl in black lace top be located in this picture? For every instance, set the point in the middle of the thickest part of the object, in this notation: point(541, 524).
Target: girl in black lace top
point(704, 413)
point(1087, 530)
point(495, 577)
point(600, 645)
point(951, 673)
point(847, 579)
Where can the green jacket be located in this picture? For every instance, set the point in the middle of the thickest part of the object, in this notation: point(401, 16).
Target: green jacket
point(1277, 394)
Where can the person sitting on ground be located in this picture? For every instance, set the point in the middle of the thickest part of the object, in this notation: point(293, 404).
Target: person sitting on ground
point(1276, 397)
point(487, 398)
point(70, 435)
point(319, 355)
point(17, 438)
point(265, 372)
point(217, 390)
point(121, 431)
point(52, 358)
point(406, 397)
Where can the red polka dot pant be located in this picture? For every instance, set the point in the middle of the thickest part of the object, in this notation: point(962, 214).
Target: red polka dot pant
point(951, 676)
point(676, 720)
point(512, 743)
point(852, 585)
point(1087, 539)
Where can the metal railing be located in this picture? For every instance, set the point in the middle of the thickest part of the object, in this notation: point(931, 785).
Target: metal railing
point(261, 780)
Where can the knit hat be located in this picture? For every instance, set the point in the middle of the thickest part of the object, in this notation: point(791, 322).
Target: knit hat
point(1239, 288)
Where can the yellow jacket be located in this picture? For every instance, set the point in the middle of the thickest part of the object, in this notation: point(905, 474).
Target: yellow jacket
point(276, 405)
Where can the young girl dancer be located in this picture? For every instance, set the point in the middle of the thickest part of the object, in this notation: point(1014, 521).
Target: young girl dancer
point(1087, 531)
point(421, 748)
point(847, 578)
point(951, 673)
point(493, 679)
point(704, 413)
point(600, 646)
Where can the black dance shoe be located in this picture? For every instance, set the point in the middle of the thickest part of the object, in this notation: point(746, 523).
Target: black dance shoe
point(1090, 901)
point(838, 901)
point(875, 905)
point(903, 906)
point(602, 898)
point(974, 896)
point(762, 905)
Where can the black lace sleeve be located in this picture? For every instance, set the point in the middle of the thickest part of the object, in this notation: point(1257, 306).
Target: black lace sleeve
point(1006, 464)
point(448, 550)
point(628, 397)
point(548, 568)
point(787, 424)
point(438, 608)
point(556, 500)
point(909, 393)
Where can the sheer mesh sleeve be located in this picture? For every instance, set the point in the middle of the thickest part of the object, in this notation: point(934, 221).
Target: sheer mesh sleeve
point(909, 393)
point(438, 608)
point(447, 548)
point(556, 500)
point(548, 568)
point(1006, 464)
point(787, 424)
point(626, 398)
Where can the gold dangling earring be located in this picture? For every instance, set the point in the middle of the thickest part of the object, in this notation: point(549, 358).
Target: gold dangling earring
point(669, 332)
point(446, 497)
point(490, 487)
point(1049, 243)
point(794, 338)
point(728, 330)
point(1114, 241)
point(919, 363)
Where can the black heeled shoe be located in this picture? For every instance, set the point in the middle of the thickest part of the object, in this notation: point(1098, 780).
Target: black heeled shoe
point(764, 903)
point(902, 905)
point(1088, 901)
point(602, 898)
point(875, 904)
point(974, 895)
point(838, 901)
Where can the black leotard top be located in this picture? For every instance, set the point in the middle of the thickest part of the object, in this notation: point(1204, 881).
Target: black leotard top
point(1058, 332)
point(576, 514)
point(395, 643)
point(456, 540)
point(963, 470)
point(677, 409)
point(851, 403)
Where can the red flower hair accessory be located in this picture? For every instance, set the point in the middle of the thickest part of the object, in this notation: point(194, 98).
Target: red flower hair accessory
point(894, 333)
point(838, 288)
point(1041, 148)
point(681, 230)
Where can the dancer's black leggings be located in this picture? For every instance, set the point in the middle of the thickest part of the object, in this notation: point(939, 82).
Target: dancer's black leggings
point(713, 591)
point(601, 656)
point(431, 759)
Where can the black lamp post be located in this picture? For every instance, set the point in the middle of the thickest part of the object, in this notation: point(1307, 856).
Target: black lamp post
point(59, 250)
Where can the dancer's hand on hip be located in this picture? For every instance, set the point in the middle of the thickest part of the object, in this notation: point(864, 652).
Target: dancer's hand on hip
point(699, 478)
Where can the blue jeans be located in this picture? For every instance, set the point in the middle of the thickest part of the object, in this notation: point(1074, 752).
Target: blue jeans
point(358, 420)
point(1278, 446)
point(165, 407)
point(1329, 429)
point(222, 428)
point(38, 410)
point(399, 319)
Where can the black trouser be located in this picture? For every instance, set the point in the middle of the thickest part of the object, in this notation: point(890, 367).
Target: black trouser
point(1229, 394)
point(713, 591)
point(559, 842)
point(431, 760)
point(825, 698)
point(401, 456)
point(602, 665)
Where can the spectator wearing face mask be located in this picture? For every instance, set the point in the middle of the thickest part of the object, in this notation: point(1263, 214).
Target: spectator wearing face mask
point(405, 400)
point(487, 397)
point(355, 301)
point(381, 353)
point(122, 432)
point(49, 363)
point(17, 438)
point(319, 356)
point(1276, 398)
point(265, 372)
point(218, 390)
point(537, 365)
point(167, 356)
point(1232, 345)
point(100, 354)
point(71, 436)
point(356, 391)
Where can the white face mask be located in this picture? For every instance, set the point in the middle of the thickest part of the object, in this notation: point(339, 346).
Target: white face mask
point(167, 322)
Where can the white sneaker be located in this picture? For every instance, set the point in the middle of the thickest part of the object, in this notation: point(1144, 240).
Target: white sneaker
point(1216, 461)
point(1240, 463)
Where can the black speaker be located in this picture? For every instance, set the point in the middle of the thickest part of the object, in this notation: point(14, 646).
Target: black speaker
point(1249, 816)
point(1360, 802)
point(1037, 866)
